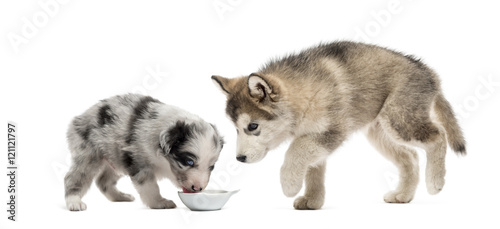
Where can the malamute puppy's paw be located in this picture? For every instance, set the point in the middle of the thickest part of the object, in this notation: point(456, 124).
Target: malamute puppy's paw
point(434, 186)
point(74, 203)
point(398, 197)
point(308, 202)
point(291, 183)
point(434, 179)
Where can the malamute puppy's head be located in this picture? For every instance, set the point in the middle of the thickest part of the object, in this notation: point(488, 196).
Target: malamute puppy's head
point(257, 107)
point(192, 150)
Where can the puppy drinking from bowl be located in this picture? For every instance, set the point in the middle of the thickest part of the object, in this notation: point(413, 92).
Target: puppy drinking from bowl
point(145, 139)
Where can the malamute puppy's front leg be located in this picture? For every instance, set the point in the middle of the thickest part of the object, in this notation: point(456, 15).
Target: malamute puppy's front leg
point(314, 196)
point(304, 151)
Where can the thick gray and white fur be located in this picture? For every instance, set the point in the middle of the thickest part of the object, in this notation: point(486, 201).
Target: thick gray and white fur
point(320, 96)
point(145, 139)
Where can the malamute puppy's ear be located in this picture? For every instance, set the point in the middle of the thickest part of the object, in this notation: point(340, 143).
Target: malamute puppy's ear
point(222, 83)
point(260, 88)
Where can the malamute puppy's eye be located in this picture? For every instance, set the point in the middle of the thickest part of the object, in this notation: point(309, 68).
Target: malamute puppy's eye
point(211, 168)
point(252, 126)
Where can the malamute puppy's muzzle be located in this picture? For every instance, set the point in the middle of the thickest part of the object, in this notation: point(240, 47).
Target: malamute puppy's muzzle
point(260, 124)
point(145, 139)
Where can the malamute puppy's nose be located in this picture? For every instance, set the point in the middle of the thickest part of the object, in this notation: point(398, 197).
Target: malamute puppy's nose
point(241, 158)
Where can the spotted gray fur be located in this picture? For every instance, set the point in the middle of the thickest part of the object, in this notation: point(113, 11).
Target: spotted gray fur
point(143, 138)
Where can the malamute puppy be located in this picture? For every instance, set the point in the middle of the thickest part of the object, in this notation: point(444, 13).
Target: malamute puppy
point(145, 139)
point(320, 96)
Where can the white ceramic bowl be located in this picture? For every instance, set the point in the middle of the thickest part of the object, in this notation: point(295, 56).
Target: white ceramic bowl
point(207, 200)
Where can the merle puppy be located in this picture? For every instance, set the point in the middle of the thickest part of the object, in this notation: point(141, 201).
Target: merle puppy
point(145, 139)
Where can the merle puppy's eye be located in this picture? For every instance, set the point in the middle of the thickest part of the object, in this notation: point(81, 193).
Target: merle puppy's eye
point(211, 167)
point(184, 159)
point(189, 162)
point(252, 126)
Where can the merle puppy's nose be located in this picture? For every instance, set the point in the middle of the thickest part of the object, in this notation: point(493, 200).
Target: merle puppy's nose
point(241, 158)
point(196, 189)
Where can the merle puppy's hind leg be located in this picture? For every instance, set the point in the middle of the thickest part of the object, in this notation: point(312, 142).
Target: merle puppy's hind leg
point(106, 182)
point(78, 180)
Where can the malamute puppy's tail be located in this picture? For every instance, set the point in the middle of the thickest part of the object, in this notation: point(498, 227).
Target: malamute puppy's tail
point(447, 118)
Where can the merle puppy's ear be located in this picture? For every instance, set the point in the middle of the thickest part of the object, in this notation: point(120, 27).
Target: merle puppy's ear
point(218, 139)
point(163, 142)
point(260, 88)
point(222, 83)
point(174, 136)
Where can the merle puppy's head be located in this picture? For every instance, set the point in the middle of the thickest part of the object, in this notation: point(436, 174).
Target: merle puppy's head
point(192, 150)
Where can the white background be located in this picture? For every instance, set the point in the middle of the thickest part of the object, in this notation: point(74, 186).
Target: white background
point(75, 53)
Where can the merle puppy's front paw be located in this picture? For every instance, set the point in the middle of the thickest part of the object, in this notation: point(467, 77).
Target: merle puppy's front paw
point(122, 197)
point(163, 204)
